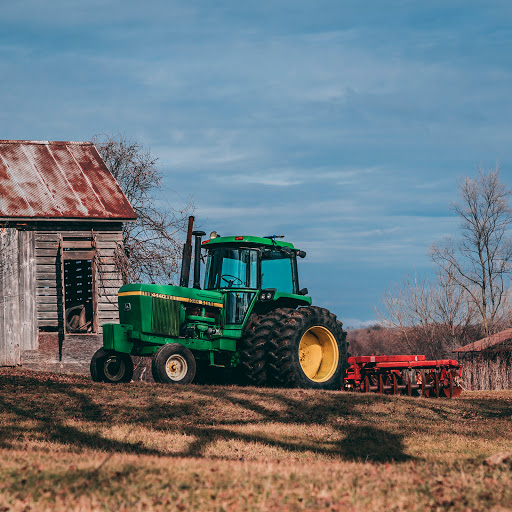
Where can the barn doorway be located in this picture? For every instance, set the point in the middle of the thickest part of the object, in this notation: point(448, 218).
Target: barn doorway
point(78, 276)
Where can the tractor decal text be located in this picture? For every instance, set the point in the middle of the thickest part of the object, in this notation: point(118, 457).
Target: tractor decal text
point(173, 297)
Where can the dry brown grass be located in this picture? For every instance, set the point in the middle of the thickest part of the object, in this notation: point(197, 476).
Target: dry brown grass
point(69, 444)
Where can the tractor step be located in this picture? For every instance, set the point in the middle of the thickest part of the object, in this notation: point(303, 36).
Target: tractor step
point(410, 375)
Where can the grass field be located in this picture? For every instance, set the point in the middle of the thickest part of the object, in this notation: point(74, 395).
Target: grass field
point(69, 444)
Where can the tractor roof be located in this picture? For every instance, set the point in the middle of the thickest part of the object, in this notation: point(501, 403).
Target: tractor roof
point(245, 241)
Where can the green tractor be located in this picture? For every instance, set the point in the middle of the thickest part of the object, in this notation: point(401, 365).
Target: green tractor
point(251, 317)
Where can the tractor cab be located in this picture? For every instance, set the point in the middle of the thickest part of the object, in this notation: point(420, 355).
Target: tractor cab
point(242, 267)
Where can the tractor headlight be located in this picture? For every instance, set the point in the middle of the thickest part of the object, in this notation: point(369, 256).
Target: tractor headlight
point(267, 294)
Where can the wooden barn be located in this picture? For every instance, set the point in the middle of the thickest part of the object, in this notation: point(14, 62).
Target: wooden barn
point(487, 363)
point(61, 218)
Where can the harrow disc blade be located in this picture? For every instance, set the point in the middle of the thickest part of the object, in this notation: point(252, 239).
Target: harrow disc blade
point(453, 390)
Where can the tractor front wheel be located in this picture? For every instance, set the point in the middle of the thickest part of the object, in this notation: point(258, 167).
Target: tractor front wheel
point(173, 364)
point(111, 367)
point(308, 350)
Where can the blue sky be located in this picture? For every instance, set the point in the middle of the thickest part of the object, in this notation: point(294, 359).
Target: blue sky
point(343, 125)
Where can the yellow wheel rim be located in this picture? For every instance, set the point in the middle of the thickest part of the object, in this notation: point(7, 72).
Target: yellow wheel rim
point(318, 354)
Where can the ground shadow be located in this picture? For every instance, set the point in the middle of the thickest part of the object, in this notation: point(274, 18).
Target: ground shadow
point(56, 408)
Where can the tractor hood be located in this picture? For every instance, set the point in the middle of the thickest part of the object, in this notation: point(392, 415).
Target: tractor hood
point(160, 309)
point(178, 293)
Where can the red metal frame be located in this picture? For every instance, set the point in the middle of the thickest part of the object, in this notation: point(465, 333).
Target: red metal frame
point(404, 374)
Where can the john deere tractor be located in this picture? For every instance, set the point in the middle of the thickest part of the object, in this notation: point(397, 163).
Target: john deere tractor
point(251, 317)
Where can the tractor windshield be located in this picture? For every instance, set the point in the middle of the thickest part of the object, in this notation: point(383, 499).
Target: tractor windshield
point(278, 271)
point(231, 268)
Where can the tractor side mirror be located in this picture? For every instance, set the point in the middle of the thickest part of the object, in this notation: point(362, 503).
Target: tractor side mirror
point(301, 254)
point(304, 291)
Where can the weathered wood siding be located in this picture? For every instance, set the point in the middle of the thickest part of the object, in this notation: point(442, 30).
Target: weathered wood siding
point(31, 293)
point(48, 279)
point(10, 333)
point(27, 290)
point(108, 278)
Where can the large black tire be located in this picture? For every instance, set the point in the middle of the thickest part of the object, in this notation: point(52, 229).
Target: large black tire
point(111, 367)
point(173, 364)
point(307, 350)
point(252, 368)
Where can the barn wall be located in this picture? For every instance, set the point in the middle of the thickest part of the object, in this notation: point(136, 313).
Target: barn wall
point(10, 333)
point(31, 297)
point(56, 350)
point(487, 370)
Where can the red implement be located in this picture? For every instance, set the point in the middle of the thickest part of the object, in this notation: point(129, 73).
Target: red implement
point(408, 375)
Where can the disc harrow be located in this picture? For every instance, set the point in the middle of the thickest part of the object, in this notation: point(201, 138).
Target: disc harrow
point(410, 375)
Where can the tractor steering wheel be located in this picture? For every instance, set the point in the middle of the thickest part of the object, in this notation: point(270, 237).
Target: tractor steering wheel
point(231, 282)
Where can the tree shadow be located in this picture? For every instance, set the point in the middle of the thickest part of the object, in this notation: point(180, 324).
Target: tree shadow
point(52, 411)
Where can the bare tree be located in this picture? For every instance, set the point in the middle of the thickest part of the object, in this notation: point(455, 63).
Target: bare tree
point(431, 317)
point(480, 260)
point(152, 245)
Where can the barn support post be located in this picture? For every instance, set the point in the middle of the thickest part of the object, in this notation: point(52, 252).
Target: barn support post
point(27, 290)
point(9, 298)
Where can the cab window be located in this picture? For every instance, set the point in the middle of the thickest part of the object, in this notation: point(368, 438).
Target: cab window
point(277, 271)
point(232, 268)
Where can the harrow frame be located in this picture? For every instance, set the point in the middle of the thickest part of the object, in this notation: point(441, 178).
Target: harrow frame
point(410, 375)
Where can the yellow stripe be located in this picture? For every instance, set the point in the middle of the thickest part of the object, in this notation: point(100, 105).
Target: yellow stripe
point(173, 297)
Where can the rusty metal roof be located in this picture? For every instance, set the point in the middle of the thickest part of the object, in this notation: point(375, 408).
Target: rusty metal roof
point(58, 180)
point(490, 341)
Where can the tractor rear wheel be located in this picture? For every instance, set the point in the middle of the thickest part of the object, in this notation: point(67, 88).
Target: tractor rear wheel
point(112, 367)
point(173, 364)
point(252, 369)
point(308, 350)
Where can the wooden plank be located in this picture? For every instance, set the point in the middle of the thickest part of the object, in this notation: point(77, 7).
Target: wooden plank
point(9, 298)
point(43, 266)
point(48, 299)
point(108, 267)
point(41, 292)
point(108, 317)
point(48, 308)
point(111, 296)
point(77, 244)
point(46, 237)
point(47, 323)
point(78, 255)
point(46, 260)
point(49, 313)
point(113, 284)
point(108, 245)
point(106, 261)
point(107, 307)
point(47, 252)
point(45, 283)
point(105, 252)
point(110, 281)
point(47, 244)
point(45, 276)
point(27, 276)
point(67, 234)
point(108, 235)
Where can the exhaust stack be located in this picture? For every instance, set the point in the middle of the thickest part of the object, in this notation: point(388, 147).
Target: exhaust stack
point(187, 255)
point(197, 257)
